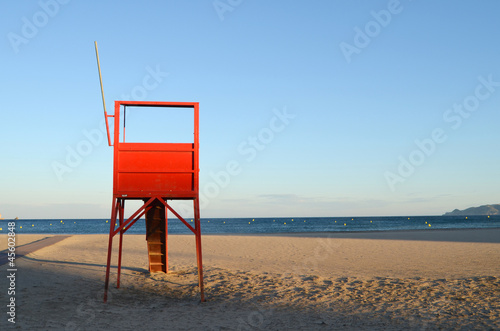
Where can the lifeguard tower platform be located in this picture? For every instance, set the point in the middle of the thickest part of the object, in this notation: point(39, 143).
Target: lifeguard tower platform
point(153, 173)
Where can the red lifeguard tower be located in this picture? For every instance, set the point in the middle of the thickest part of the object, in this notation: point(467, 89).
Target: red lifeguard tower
point(154, 173)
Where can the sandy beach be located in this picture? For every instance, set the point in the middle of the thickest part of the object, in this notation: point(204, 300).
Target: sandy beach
point(416, 280)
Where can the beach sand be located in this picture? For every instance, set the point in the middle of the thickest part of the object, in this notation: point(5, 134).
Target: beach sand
point(416, 280)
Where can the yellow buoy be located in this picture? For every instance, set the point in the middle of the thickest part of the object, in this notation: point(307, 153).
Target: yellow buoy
point(50, 223)
point(253, 220)
point(106, 221)
point(32, 224)
point(488, 216)
point(408, 218)
point(370, 221)
point(285, 223)
point(1, 229)
point(344, 224)
point(465, 217)
point(292, 219)
point(429, 225)
point(249, 222)
point(21, 227)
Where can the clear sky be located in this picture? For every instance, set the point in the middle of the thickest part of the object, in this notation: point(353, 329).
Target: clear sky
point(318, 108)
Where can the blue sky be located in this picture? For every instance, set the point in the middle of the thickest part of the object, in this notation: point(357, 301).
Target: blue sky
point(324, 108)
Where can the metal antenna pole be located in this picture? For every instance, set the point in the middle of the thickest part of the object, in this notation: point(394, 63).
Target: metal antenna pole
point(100, 78)
point(102, 93)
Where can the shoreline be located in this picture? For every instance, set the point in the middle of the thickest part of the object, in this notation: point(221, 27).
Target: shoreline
point(325, 234)
point(264, 217)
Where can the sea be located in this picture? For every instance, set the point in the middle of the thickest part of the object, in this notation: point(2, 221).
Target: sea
point(267, 225)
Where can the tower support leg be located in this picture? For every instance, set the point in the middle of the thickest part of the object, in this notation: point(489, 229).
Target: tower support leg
point(110, 247)
point(198, 248)
point(121, 209)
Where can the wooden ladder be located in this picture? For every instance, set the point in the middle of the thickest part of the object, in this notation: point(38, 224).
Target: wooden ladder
point(156, 237)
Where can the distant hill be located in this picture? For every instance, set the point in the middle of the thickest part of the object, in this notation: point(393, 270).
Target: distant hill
point(481, 210)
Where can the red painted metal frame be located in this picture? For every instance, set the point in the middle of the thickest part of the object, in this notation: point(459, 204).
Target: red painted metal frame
point(153, 171)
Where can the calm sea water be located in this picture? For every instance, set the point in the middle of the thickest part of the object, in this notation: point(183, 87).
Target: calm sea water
point(263, 225)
